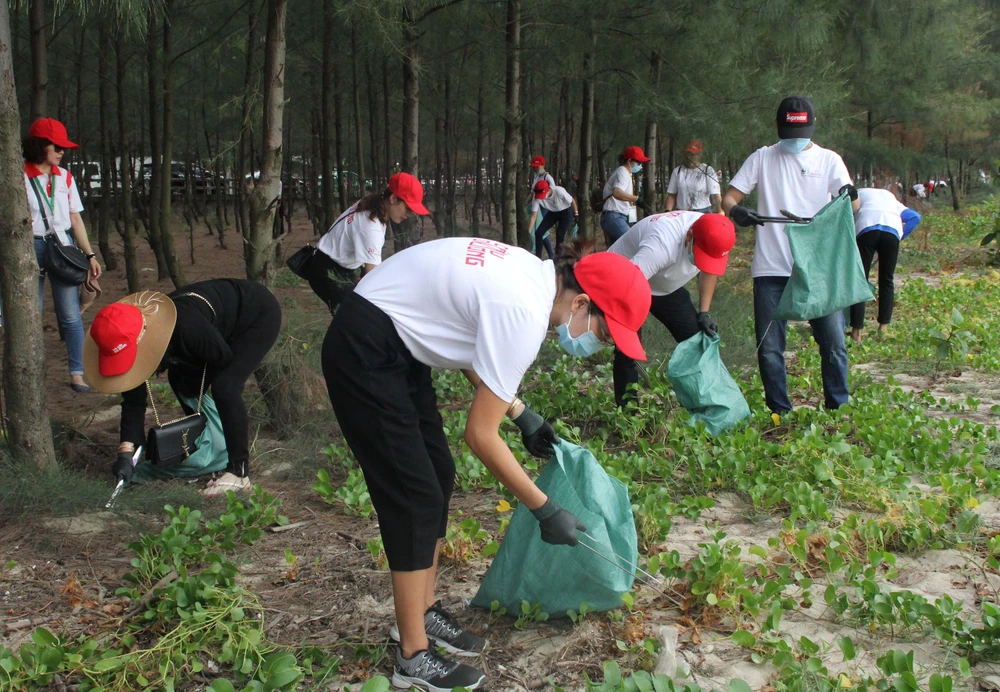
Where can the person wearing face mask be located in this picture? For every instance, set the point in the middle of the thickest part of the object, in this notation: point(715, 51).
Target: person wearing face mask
point(670, 249)
point(353, 245)
point(694, 186)
point(619, 209)
point(561, 208)
point(486, 312)
point(801, 177)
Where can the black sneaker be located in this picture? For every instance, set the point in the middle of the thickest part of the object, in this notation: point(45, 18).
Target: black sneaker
point(428, 671)
point(443, 631)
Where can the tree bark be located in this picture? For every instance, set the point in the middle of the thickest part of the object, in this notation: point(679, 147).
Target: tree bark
point(951, 178)
point(125, 170)
point(240, 185)
point(355, 56)
point(156, 153)
point(29, 434)
point(326, 135)
point(174, 267)
point(450, 152)
point(587, 140)
point(411, 94)
point(107, 161)
point(260, 241)
point(512, 122)
point(342, 181)
point(650, 189)
point(478, 199)
point(39, 61)
point(378, 177)
point(386, 121)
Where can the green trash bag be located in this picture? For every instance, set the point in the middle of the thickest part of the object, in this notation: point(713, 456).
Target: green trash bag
point(704, 386)
point(827, 274)
point(211, 455)
point(561, 577)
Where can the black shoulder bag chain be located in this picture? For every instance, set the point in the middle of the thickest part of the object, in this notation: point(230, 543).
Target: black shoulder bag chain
point(171, 443)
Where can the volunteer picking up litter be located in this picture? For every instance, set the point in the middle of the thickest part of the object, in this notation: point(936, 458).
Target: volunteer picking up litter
point(619, 210)
point(694, 186)
point(485, 312)
point(353, 245)
point(881, 223)
point(670, 249)
point(561, 208)
point(801, 177)
point(210, 335)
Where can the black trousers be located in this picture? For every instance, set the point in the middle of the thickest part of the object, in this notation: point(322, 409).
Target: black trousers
point(564, 218)
point(387, 409)
point(675, 312)
point(330, 281)
point(887, 246)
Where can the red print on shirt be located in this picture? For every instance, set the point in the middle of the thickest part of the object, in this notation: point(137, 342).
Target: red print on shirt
point(475, 253)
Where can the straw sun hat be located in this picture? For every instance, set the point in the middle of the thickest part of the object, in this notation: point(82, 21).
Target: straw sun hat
point(127, 340)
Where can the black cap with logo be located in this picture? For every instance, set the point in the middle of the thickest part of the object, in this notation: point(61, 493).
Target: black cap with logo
point(796, 118)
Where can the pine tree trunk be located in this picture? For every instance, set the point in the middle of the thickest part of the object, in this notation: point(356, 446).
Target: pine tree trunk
point(378, 177)
point(386, 121)
point(355, 56)
point(478, 199)
point(522, 192)
point(29, 435)
point(107, 161)
point(326, 153)
point(156, 153)
point(174, 267)
point(512, 122)
point(342, 181)
point(411, 94)
point(240, 185)
point(438, 210)
point(587, 140)
point(39, 62)
point(450, 220)
point(125, 169)
point(951, 178)
point(650, 190)
point(260, 240)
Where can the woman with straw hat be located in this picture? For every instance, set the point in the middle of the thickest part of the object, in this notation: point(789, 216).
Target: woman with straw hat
point(209, 335)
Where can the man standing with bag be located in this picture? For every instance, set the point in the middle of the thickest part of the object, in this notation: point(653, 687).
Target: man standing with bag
point(801, 177)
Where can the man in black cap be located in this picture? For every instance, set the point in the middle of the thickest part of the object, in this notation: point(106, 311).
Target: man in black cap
point(799, 176)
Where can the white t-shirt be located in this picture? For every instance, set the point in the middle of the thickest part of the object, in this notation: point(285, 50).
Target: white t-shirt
point(354, 239)
point(694, 186)
point(656, 246)
point(542, 176)
point(622, 179)
point(879, 208)
point(799, 183)
point(559, 199)
point(66, 200)
point(467, 303)
point(918, 190)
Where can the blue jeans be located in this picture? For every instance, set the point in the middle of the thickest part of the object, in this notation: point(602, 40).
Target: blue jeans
point(827, 331)
point(67, 301)
point(615, 225)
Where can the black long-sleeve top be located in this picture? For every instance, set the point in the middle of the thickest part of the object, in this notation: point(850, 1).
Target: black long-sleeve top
point(201, 339)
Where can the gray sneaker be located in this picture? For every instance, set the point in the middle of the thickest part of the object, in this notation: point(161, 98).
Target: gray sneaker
point(428, 671)
point(443, 631)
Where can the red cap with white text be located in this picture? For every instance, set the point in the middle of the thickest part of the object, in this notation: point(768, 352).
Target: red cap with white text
point(537, 161)
point(409, 189)
point(621, 291)
point(541, 189)
point(714, 237)
point(635, 154)
point(116, 331)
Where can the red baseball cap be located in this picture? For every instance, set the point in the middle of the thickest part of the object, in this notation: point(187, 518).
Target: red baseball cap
point(714, 237)
point(409, 189)
point(52, 130)
point(622, 293)
point(635, 154)
point(116, 331)
point(541, 189)
point(694, 147)
point(537, 161)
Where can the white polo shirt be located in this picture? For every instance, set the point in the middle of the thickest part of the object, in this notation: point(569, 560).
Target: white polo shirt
point(467, 304)
point(694, 186)
point(65, 198)
point(799, 183)
point(354, 239)
point(622, 179)
point(559, 200)
point(656, 246)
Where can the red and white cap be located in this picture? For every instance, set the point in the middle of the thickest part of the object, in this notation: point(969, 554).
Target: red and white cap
point(541, 189)
point(714, 237)
point(693, 147)
point(621, 291)
point(409, 189)
point(52, 130)
point(634, 154)
point(116, 331)
point(537, 161)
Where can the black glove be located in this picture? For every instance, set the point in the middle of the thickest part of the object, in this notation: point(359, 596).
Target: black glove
point(742, 216)
point(707, 324)
point(558, 526)
point(123, 466)
point(537, 435)
point(851, 191)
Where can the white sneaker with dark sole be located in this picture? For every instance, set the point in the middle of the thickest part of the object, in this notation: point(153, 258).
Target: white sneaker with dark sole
point(428, 671)
point(443, 631)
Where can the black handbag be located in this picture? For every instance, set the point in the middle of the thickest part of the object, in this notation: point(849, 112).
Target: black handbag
point(67, 263)
point(299, 262)
point(171, 443)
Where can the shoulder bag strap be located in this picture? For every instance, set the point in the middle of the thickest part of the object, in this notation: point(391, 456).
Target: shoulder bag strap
point(201, 391)
point(41, 204)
